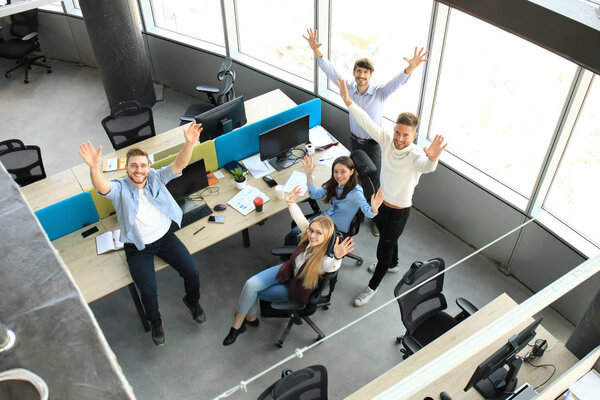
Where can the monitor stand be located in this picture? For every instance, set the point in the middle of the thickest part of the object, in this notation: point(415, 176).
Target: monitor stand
point(282, 161)
point(502, 382)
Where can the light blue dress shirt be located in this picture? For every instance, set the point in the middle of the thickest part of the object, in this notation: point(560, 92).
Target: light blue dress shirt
point(371, 101)
point(126, 199)
point(342, 211)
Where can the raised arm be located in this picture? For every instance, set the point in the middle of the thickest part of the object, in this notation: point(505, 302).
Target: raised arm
point(309, 167)
point(92, 158)
point(191, 136)
point(295, 211)
point(311, 38)
point(435, 148)
point(361, 117)
point(417, 59)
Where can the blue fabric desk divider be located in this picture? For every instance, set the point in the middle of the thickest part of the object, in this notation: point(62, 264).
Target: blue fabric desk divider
point(69, 215)
point(243, 142)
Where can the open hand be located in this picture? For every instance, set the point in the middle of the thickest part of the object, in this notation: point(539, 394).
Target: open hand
point(293, 194)
point(341, 249)
point(312, 39)
point(417, 59)
point(376, 200)
point(309, 165)
point(90, 156)
point(192, 133)
point(344, 91)
point(435, 148)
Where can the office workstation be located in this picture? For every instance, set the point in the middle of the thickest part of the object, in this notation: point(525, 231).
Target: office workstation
point(535, 256)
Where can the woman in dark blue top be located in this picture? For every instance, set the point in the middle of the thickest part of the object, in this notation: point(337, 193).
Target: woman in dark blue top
point(344, 193)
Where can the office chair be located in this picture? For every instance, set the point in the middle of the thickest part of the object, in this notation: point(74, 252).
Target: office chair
point(297, 311)
point(308, 383)
point(24, 27)
point(422, 309)
point(227, 94)
point(24, 164)
point(10, 144)
point(128, 123)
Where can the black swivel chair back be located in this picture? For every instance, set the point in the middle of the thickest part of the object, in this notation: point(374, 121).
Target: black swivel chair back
point(308, 383)
point(24, 164)
point(226, 74)
point(24, 27)
point(422, 309)
point(10, 144)
point(128, 123)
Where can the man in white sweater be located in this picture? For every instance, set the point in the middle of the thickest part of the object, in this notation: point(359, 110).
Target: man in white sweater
point(402, 165)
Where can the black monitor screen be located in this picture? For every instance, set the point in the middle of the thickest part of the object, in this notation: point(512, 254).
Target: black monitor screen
point(490, 378)
point(222, 119)
point(283, 138)
point(193, 179)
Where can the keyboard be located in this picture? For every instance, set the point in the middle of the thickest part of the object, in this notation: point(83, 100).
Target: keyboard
point(194, 215)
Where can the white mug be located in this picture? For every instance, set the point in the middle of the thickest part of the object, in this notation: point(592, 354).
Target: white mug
point(279, 192)
point(310, 149)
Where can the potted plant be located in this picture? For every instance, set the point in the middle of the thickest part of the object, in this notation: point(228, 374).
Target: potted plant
point(239, 178)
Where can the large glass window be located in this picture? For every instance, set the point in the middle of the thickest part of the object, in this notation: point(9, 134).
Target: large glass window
point(271, 31)
point(385, 32)
point(498, 101)
point(574, 193)
point(199, 19)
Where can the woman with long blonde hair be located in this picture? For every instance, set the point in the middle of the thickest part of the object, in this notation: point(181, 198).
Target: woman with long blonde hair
point(296, 278)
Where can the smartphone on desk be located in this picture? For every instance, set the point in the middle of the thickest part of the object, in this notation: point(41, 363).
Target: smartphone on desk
point(269, 180)
point(219, 219)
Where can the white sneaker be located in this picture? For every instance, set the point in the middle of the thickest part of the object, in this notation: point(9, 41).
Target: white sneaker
point(371, 268)
point(364, 297)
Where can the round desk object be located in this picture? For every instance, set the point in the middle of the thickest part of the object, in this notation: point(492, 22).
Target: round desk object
point(220, 207)
point(428, 398)
point(258, 204)
point(310, 149)
point(445, 396)
point(279, 192)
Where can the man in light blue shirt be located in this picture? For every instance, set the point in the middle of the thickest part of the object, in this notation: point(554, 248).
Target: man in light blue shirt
point(369, 97)
point(148, 216)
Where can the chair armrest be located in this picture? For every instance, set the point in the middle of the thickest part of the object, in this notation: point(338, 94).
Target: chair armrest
point(187, 118)
point(290, 305)
point(411, 344)
point(283, 250)
point(29, 36)
point(466, 306)
point(207, 89)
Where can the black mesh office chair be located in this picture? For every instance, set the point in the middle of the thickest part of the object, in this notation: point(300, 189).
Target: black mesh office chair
point(227, 94)
point(308, 383)
point(128, 123)
point(10, 144)
point(24, 164)
point(24, 27)
point(422, 309)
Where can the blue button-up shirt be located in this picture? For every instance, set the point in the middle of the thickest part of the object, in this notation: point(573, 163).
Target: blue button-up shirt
point(342, 211)
point(126, 199)
point(371, 101)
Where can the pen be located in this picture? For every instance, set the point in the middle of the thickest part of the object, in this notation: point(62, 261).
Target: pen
point(324, 159)
point(202, 227)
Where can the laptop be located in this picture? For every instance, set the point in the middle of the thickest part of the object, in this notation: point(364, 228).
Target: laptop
point(192, 180)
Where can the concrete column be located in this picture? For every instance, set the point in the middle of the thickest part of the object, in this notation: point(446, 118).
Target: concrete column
point(115, 33)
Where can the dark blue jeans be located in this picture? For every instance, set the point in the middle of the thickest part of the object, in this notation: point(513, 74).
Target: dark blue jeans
point(141, 267)
point(373, 150)
point(391, 223)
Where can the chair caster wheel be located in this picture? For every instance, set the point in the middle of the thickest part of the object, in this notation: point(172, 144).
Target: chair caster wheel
point(26, 81)
point(279, 344)
point(49, 71)
point(7, 75)
point(360, 262)
point(398, 339)
point(44, 59)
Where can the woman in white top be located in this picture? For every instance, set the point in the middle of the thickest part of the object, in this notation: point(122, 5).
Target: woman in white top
point(296, 278)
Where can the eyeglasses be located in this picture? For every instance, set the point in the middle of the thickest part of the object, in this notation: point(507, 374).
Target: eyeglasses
point(310, 231)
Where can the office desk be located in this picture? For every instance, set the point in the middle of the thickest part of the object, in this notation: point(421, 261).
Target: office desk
point(455, 381)
point(51, 190)
point(257, 108)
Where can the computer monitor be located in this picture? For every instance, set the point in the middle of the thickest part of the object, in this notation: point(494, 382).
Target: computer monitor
point(276, 145)
point(496, 377)
point(222, 119)
point(193, 178)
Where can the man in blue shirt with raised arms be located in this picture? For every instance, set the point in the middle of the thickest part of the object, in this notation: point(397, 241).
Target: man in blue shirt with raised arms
point(148, 216)
point(368, 97)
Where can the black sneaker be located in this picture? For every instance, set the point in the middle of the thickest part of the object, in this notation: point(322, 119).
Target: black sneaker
point(197, 312)
point(233, 334)
point(252, 323)
point(158, 334)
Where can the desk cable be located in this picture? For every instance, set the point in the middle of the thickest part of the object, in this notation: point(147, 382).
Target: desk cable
point(299, 353)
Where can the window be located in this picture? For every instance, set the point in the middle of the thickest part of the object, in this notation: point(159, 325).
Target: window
point(498, 100)
point(271, 31)
point(198, 19)
point(56, 7)
point(574, 193)
point(384, 33)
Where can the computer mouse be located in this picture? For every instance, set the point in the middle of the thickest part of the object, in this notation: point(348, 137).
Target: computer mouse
point(220, 207)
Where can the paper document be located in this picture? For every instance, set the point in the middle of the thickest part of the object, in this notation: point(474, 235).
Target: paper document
point(257, 168)
point(219, 174)
point(296, 179)
point(587, 387)
point(320, 138)
point(326, 157)
point(108, 241)
point(244, 200)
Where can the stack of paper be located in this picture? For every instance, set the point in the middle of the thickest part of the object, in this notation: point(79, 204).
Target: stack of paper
point(244, 200)
point(320, 138)
point(257, 168)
